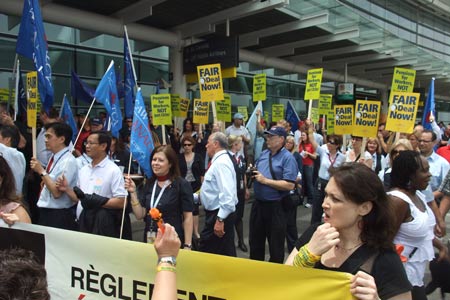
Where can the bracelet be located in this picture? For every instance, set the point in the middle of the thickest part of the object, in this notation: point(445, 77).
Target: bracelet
point(305, 258)
point(187, 246)
point(166, 268)
point(136, 203)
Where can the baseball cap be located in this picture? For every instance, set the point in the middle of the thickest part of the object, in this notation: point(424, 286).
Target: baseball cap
point(96, 121)
point(276, 130)
point(238, 116)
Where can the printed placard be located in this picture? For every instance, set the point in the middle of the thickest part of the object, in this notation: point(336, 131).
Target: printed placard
point(259, 87)
point(315, 115)
point(175, 103)
point(201, 111)
point(243, 110)
point(402, 112)
point(277, 112)
point(343, 119)
point(367, 114)
point(161, 109)
point(313, 83)
point(325, 103)
point(223, 108)
point(403, 80)
point(330, 122)
point(210, 82)
point(32, 98)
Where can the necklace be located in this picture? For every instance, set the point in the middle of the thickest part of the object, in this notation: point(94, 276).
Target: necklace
point(349, 249)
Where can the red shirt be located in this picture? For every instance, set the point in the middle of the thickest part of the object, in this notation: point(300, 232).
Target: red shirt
point(444, 152)
point(307, 160)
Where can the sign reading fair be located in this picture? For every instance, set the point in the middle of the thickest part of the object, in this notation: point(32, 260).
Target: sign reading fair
point(259, 87)
point(313, 83)
point(403, 80)
point(201, 111)
point(210, 82)
point(343, 119)
point(367, 114)
point(402, 112)
point(161, 109)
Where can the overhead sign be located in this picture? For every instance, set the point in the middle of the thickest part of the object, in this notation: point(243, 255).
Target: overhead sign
point(345, 91)
point(403, 80)
point(223, 109)
point(210, 82)
point(402, 112)
point(313, 83)
point(200, 111)
point(367, 114)
point(222, 50)
point(259, 87)
point(343, 119)
point(32, 99)
point(161, 109)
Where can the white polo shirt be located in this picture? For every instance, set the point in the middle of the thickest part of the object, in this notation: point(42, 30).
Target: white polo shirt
point(16, 162)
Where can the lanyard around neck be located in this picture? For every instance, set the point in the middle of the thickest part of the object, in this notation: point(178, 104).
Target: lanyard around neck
point(153, 202)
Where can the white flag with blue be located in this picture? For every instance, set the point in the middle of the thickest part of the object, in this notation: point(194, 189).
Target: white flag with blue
point(106, 93)
point(32, 43)
point(141, 141)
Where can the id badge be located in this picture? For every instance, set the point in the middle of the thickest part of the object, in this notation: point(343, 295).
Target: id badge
point(151, 237)
point(241, 184)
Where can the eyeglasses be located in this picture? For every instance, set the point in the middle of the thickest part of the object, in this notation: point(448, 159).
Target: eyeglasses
point(332, 143)
point(187, 145)
point(424, 141)
point(90, 143)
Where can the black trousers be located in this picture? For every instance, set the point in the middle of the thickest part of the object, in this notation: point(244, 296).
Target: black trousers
point(267, 221)
point(63, 218)
point(319, 196)
point(211, 243)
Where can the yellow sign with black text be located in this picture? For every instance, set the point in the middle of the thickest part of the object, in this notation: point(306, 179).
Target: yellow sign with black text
point(175, 104)
point(402, 112)
point(403, 80)
point(325, 103)
point(367, 114)
point(223, 108)
point(259, 87)
point(210, 82)
point(343, 119)
point(330, 122)
point(184, 107)
point(32, 99)
point(161, 109)
point(243, 110)
point(277, 112)
point(313, 83)
point(201, 111)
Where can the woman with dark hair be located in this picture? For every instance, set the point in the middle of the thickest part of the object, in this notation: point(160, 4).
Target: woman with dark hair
point(11, 207)
point(188, 130)
point(309, 155)
point(167, 191)
point(192, 168)
point(357, 236)
point(415, 220)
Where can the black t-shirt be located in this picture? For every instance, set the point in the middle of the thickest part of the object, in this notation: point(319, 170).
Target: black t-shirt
point(388, 271)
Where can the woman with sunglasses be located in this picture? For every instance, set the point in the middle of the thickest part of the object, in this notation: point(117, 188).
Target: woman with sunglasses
point(192, 169)
point(399, 146)
point(330, 158)
point(357, 154)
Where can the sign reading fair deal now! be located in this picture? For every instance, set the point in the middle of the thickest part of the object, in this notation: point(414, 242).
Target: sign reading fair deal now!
point(367, 114)
point(161, 109)
point(32, 98)
point(201, 111)
point(402, 112)
point(210, 82)
point(343, 119)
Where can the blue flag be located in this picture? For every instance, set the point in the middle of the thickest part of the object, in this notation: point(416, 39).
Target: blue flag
point(67, 115)
point(429, 110)
point(80, 90)
point(120, 85)
point(32, 43)
point(141, 141)
point(292, 117)
point(130, 80)
point(20, 105)
point(106, 93)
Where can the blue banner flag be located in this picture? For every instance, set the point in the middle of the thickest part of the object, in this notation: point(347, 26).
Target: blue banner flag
point(120, 85)
point(141, 142)
point(67, 115)
point(130, 80)
point(81, 90)
point(106, 93)
point(20, 103)
point(291, 116)
point(32, 43)
point(429, 110)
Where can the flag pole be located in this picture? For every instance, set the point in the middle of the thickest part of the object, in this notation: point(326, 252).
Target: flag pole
point(82, 125)
point(16, 97)
point(16, 59)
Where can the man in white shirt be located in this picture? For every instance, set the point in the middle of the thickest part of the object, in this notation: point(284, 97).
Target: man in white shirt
point(9, 140)
point(219, 198)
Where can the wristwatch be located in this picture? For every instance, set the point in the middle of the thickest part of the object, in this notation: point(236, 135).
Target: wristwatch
point(44, 174)
point(169, 260)
point(219, 219)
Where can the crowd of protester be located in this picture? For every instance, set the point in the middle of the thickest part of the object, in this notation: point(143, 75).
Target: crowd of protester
point(365, 195)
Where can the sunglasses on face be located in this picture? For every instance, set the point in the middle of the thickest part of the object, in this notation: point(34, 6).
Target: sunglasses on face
point(332, 143)
point(187, 145)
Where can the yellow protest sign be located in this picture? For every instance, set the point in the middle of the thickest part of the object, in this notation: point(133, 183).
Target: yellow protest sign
point(32, 99)
point(277, 112)
point(402, 112)
point(325, 103)
point(403, 80)
point(4, 95)
point(367, 114)
point(243, 111)
point(210, 82)
point(161, 109)
point(184, 107)
point(313, 83)
point(223, 108)
point(343, 119)
point(315, 115)
point(201, 111)
point(259, 87)
point(175, 104)
point(330, 122)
